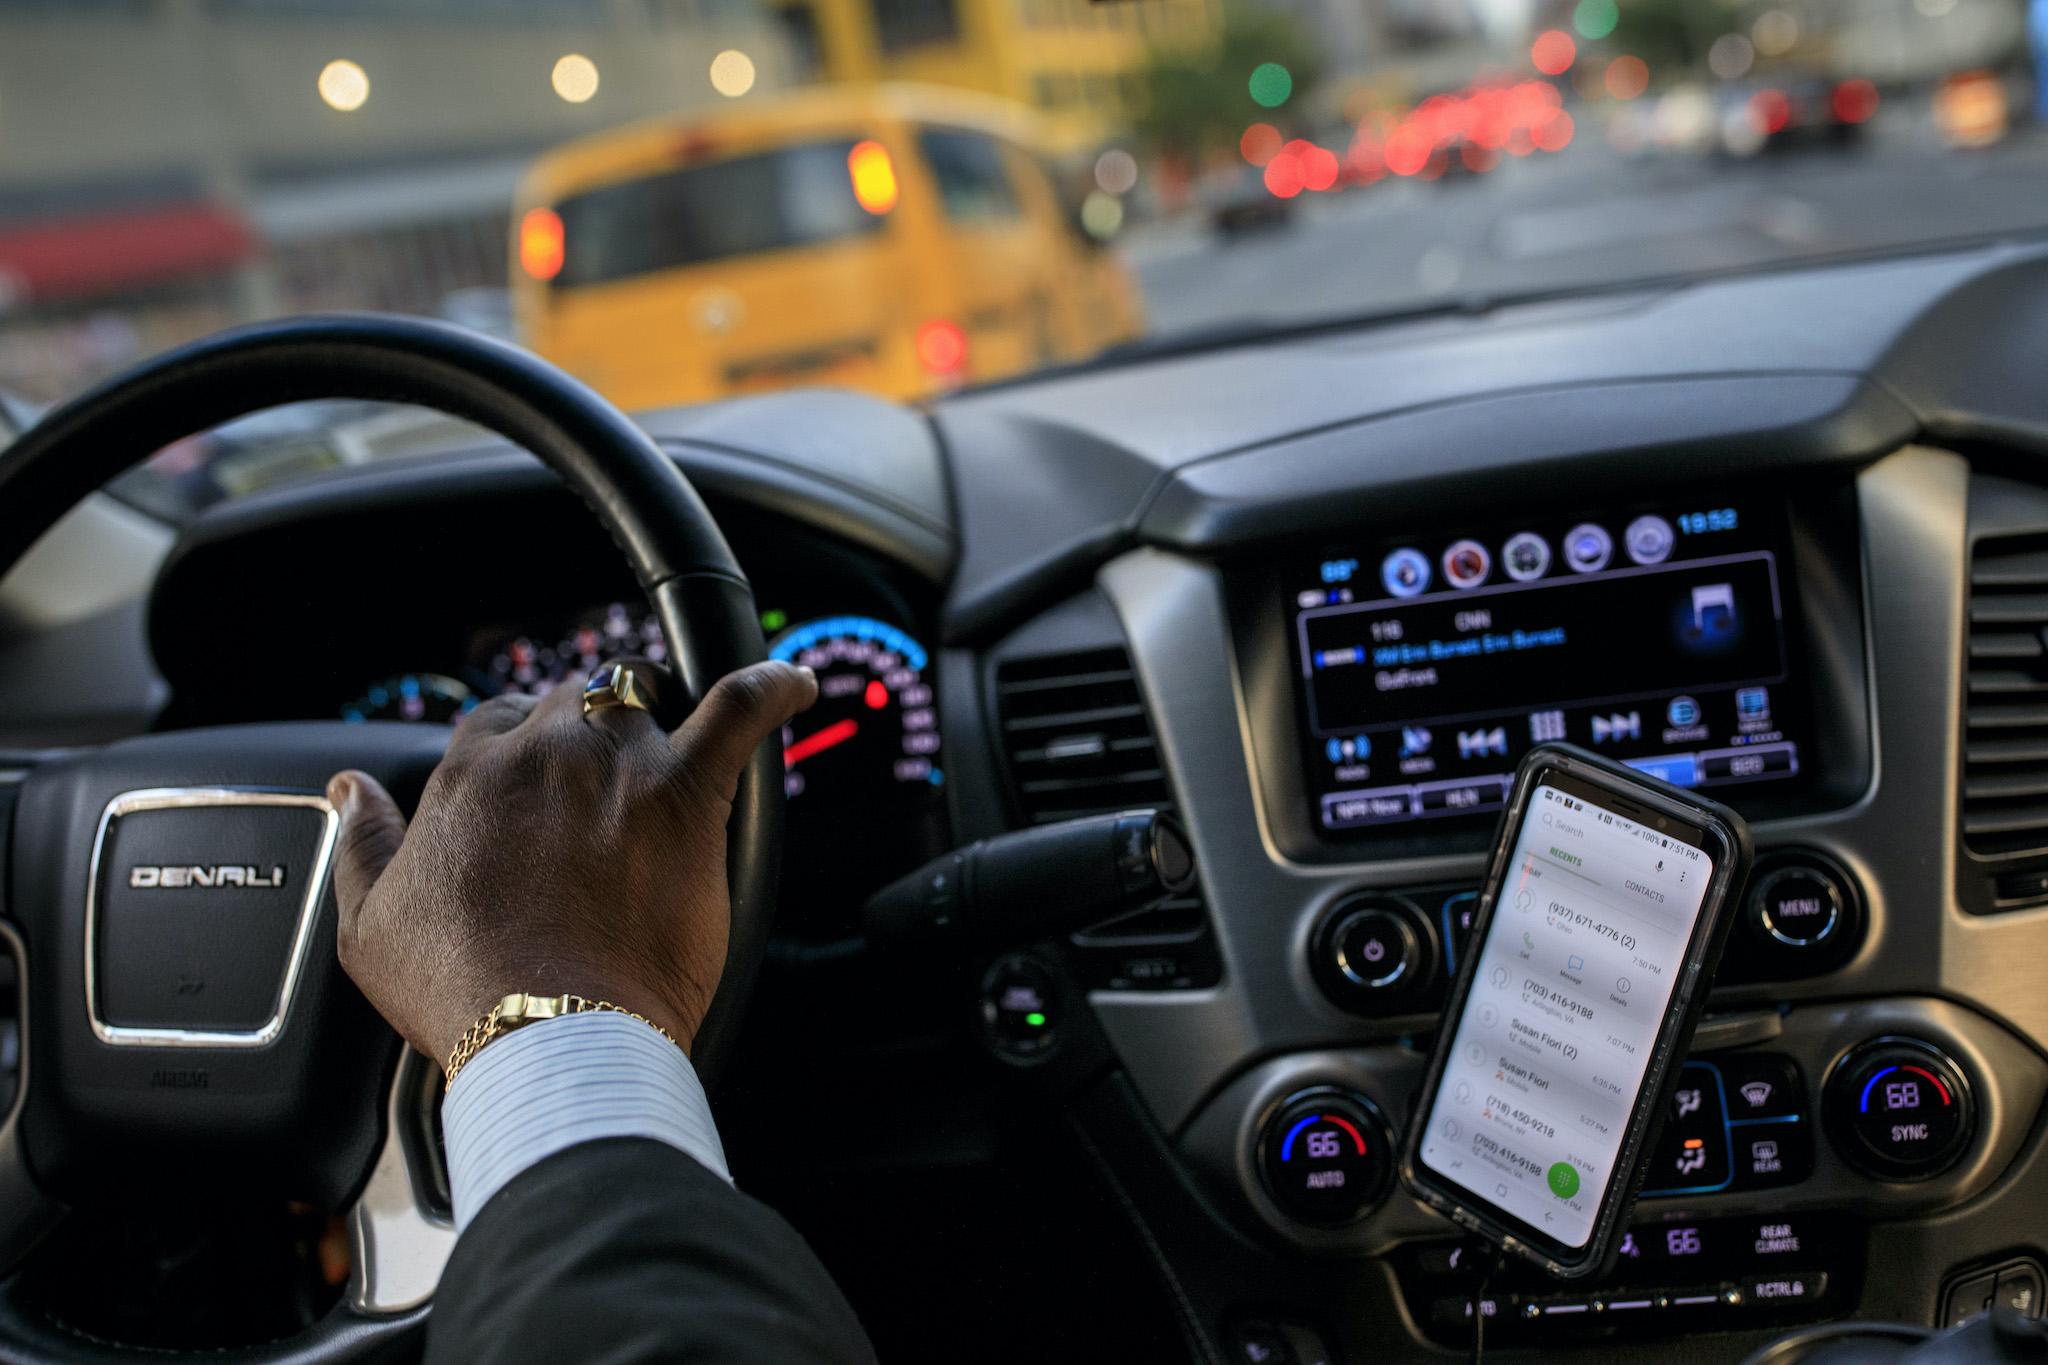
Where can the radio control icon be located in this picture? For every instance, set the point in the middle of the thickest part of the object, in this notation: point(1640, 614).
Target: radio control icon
point(1588, 547)
point(1405, 573)
point(1466, 564)
point(1480, 743)
point(1649, 540)
point(1525, 556)
point(1616, 727)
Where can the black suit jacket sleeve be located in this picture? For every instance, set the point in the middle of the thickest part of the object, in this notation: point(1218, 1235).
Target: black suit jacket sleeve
point(625, 1251)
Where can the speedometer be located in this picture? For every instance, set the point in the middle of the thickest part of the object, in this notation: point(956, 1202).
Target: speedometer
point(874, 728)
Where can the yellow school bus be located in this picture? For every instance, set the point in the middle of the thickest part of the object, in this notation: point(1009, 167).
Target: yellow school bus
point(897, 239)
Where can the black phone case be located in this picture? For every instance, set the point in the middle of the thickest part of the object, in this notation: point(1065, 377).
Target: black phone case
point(1660, 1077)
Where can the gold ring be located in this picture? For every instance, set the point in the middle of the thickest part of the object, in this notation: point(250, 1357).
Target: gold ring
point(615, 685)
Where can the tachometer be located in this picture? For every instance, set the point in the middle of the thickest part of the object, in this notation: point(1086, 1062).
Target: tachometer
point(874, 728)
point(536, 662)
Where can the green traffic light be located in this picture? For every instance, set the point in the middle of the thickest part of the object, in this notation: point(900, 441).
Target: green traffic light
point(1271, 84)
point(1596, 18)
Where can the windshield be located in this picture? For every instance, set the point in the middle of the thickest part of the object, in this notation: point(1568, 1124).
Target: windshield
point(680, 200)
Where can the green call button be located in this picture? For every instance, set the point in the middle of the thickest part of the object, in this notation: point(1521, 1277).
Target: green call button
point(1563, 1178)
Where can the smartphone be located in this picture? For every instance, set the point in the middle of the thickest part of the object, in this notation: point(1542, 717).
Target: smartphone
point(1598, 929)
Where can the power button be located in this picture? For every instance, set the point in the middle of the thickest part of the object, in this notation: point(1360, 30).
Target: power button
point(1374, 954)
point(1375, 949)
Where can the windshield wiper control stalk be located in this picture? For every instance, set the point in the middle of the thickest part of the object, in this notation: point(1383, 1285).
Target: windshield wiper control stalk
point(1031, 883)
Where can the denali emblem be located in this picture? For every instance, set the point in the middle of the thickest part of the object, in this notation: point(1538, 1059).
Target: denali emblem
point(239, 875)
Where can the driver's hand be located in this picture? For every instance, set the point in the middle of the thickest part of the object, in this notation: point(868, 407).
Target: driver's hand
point(554, 852)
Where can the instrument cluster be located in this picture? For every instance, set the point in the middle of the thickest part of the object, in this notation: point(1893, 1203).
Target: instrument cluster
point(863, 768)
point(874, 726)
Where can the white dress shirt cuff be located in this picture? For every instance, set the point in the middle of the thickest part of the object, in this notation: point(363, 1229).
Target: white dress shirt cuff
point(549, 1086)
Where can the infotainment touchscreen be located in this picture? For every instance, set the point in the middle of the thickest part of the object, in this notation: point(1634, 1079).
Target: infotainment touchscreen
point(1427, 665)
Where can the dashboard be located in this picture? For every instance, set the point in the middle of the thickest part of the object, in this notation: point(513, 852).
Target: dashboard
point(1782, 537)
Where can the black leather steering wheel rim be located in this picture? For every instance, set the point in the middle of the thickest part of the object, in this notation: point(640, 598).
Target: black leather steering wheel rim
point(676, 550)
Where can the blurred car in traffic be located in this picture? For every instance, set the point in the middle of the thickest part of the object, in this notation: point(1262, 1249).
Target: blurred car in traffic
point(1241, 203)
point(1972, 109)
point(1791, 109)
point(897, 239)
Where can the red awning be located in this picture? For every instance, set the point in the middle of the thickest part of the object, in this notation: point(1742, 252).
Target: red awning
point(79, 257)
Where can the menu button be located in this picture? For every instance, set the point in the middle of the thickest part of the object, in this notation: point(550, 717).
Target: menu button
point(1799, 906)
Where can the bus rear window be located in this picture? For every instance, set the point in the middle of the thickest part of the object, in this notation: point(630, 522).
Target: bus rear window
point(769, 201)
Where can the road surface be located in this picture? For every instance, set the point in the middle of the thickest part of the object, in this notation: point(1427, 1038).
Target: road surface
point(1585, 215)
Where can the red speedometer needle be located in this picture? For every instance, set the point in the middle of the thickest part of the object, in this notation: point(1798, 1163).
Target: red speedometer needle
point(838, 732)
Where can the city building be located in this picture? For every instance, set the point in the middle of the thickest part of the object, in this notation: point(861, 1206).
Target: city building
point(201, 162)
point(1076, 61)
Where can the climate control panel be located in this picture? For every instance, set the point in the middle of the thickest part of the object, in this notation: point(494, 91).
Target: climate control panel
point(1797, 1138)
point(1738, 1121)
point(1692, 1275)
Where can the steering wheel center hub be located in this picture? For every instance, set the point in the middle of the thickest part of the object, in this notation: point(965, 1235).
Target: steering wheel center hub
point(200, 906)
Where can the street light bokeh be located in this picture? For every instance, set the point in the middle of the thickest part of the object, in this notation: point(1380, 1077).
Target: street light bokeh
point(344, 85)
point(575, 78)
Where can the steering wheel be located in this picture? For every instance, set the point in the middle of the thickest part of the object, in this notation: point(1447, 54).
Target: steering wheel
point(177, 1047)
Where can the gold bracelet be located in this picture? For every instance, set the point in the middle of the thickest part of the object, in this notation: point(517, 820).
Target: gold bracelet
point(520, 1008)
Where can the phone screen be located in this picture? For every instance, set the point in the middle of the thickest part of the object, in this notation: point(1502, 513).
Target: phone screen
point(1586, 944)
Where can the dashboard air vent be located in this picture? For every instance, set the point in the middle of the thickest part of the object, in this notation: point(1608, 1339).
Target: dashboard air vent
point(2005, 755)
point(1079, 743)
point(1077, 736)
